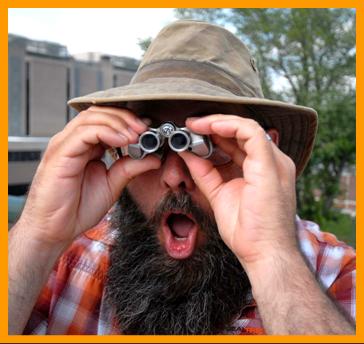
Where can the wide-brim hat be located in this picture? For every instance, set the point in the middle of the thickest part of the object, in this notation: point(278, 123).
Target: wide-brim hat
point(193, 60)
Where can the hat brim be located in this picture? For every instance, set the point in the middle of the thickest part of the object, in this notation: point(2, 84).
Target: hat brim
point(296, 124)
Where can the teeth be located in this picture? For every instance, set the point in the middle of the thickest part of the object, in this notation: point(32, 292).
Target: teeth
point(180, 239)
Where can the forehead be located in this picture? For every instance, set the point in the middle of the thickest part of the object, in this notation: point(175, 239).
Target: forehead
point(178, 110)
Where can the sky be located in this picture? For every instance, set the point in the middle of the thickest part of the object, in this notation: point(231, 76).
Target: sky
point(113, 31)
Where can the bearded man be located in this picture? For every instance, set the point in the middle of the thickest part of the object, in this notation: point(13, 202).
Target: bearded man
point(202, 236)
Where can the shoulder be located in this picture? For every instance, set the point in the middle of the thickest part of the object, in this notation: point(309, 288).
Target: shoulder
point(332, 261)
point(89, 252)
point(75, 286)
point(324, 252)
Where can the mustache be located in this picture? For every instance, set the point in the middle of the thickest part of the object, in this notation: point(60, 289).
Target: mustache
point(172, 202)
point(183, 202)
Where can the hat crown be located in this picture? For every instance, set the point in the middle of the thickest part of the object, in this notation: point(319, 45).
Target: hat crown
point(196, 42)
point(197, 61)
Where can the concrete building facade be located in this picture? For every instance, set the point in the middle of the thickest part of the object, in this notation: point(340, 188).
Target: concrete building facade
point(42, 78)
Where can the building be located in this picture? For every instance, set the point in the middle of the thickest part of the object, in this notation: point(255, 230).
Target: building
point(347, 200)
point(43, 76)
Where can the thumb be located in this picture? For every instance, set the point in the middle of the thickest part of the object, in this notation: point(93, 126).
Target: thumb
point(125, 169)
point(205, 175)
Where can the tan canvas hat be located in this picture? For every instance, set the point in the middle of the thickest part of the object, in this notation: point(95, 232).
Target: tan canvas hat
point(193, 60)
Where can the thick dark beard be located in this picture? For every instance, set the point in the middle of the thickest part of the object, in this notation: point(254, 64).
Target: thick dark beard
point(153, 293)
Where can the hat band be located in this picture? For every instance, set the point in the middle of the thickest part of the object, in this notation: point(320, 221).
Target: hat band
point(194, 70)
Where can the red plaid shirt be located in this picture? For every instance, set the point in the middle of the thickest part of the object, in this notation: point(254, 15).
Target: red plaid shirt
point(73, 300)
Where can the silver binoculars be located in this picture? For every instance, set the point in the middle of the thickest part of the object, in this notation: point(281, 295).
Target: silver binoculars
point(179, 140)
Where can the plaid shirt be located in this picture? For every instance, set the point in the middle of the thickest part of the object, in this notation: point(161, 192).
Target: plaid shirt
point(73, 300)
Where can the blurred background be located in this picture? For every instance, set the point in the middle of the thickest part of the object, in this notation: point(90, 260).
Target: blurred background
point(305, 56)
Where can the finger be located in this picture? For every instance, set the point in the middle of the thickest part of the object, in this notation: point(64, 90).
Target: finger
point(147, 121)
point(285, 165)
point(84, 137)
point(231, 148)
point(202, 125)
point(205, 176)
point(255, 143)
point(128, 116)
point(97, 152)
point(123, 170)
point(101, 118)
point(287, 175)
point(250, 135)
point(259, 165)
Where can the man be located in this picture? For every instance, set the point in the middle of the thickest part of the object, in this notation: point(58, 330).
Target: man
point(195, 245)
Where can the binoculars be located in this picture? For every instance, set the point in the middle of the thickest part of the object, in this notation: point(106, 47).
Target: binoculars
point(179, 140)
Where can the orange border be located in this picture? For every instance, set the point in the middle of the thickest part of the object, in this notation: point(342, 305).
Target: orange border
point(184, 3)
point(4, 5)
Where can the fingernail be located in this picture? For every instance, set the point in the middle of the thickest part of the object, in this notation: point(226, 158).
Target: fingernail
point(192, 119)
point(140, 122)
point(145, 121)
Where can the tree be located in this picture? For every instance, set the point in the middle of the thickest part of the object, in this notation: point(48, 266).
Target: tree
point(313, 52)
point(144, 43)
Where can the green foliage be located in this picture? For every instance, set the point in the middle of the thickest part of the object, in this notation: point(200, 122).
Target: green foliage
point(313, 52)
point(145, 43)
point(343, 226)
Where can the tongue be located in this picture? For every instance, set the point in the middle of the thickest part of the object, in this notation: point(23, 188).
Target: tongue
point(181, 225)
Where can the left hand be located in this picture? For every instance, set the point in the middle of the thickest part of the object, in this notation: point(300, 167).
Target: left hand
point(255, 214)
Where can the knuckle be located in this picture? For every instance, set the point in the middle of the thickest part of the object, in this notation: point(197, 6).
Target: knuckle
point(79, 130)
point(252, 122)
point(126, 173)
point(80, 117)
point(125, 112)
point(54, 141)
point(220, 116)
point(52, 146)
point(234, 117)
point(259, 130)
point(291, 166)
point(86, 112)
point(91, 108)
point(255, 126)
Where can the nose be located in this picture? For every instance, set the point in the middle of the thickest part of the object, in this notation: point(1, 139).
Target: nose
point(175, 174)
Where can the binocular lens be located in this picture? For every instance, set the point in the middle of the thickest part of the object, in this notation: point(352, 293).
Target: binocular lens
point(149, 142)
point(179, 141)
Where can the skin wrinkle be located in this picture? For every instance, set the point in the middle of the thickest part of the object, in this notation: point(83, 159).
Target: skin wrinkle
point(154, 294)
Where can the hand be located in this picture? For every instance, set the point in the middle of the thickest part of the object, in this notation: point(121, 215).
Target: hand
point(72, 189)
point(255, 213)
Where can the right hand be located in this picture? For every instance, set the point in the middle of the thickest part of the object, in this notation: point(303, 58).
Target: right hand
point(72, 189)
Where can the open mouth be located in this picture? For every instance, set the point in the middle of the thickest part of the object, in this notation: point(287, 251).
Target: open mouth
point(180, 234)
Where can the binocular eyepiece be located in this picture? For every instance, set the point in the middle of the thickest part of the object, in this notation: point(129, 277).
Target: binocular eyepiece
point(179, 140)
